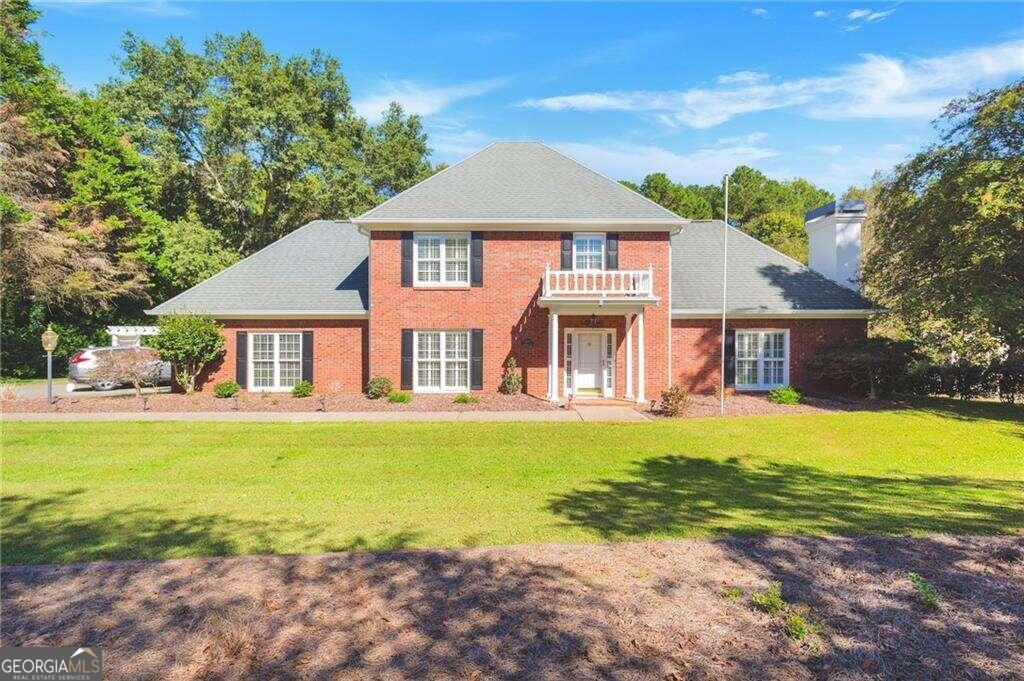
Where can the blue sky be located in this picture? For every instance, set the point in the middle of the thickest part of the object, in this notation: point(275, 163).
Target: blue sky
point(828, 91)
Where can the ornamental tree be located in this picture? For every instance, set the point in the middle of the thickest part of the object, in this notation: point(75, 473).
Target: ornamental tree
point(189, 343)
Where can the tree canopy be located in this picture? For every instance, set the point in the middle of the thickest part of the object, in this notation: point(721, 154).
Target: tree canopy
point(947, 253)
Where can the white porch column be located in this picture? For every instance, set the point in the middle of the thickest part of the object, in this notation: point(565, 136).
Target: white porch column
point(629, 357)
point(553, 356)
point(641, 378)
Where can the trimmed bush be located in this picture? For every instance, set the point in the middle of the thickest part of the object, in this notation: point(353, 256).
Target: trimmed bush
point(876, 366)
point(512, 378)
point(786, 394)
point(674, 401)
point(378, 387)
point(965, 380)
point(302, 389)
point(226, 389)
point(189, 343)
point(399, 397)
point(1009, 380)
point(465, 398)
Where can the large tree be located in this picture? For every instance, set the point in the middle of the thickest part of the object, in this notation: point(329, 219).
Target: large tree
point(256, 144)
point(948, 231)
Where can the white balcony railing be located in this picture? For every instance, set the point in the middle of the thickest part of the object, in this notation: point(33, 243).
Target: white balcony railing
point(599, 284)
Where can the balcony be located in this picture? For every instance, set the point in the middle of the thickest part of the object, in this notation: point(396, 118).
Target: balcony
point(598, 285)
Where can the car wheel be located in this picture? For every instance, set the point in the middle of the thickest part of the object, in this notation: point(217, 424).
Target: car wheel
point(104, 385)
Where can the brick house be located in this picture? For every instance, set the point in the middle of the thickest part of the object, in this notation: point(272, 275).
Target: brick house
point(519, 251)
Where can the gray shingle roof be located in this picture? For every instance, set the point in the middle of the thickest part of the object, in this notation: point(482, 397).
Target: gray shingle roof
point(760, 278)
point(521, 181)
point(320, 267)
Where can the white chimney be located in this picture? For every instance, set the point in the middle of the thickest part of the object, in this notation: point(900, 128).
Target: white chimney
point(833, 238)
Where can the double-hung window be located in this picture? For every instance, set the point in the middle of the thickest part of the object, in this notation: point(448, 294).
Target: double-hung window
point(588, 252)
point(762, 359)
point(442, 361)
point(441, 259)
point(275, 361)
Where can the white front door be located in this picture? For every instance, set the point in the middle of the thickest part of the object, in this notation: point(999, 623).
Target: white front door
point(588, 362)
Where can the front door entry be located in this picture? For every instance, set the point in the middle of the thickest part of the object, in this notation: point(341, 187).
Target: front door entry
point(588, 362)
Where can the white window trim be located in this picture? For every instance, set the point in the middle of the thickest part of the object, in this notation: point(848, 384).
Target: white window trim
point(443, 282)
point(250, 374)
point(416, 387)
point(761, 386)
point(607, 363)
point(604, 250)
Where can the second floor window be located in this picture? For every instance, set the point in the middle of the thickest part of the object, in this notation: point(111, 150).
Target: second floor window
point(442, 259)
point(588, 252)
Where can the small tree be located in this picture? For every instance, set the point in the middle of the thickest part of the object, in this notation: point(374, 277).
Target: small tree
point(189, 343)
point(139, 367)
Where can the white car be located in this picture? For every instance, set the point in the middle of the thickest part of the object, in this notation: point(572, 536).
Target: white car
point(83, 363)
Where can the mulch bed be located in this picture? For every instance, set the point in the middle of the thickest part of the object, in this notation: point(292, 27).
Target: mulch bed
point(644, 610)
point(276, 402)
point(742, 404)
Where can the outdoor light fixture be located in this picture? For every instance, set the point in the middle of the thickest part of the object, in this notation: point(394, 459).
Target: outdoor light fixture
point(49, 339)
point(591, 321)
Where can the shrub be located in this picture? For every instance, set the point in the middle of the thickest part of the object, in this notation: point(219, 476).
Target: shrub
point(302, 389)
point(138, 367)
point(923, 378)
point(674, 400)
point(1009, 379)
point(965, 380)
point(732, 592)
point(511, 378)
point(189, 343)
point(926, 593)
point(796, 626)
point(876, 366)
point(226, 389)
point(785, 395)
point(399, 397)
point(378, 387)
point(465, 398)
point(770, 600)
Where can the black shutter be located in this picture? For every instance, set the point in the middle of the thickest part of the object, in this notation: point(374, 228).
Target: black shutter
point(476, 259)
point(476, 359)
point(406, 359)
point(307, 356)
point(611, 252)
point(406, 258)
point(730, 358)
point(566, 250)
point(241, 358)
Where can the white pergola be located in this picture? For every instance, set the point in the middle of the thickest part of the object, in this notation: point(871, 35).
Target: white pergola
point(130, 335)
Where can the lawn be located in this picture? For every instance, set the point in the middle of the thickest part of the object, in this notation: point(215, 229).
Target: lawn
point(109, 490)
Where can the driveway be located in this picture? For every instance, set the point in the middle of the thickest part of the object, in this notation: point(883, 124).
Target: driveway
point(37, 389)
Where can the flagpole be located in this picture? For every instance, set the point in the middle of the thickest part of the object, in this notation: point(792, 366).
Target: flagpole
point(725, 281)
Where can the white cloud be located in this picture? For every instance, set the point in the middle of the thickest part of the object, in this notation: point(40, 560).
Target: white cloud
point(828, 149)
point(760, 12)
point(876, 86)
point(421, 99)
point(821, 14)
point(878, 16)
point(851, 28)
point(741, 77)
point(453, 141)
point(751, 138)
point(858, 14)
point(633, 161)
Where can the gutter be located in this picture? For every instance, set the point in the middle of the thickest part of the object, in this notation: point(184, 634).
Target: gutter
point(789, 314)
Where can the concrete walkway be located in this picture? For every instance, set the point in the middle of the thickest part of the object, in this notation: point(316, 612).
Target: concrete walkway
point(617, 414)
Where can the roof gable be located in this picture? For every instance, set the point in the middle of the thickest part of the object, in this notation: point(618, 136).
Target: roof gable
point(320, 268)
point(519, 182)
point(760, 279)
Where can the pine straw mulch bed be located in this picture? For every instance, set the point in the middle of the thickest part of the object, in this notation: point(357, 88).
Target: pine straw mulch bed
point(643, 610)
point(747, 404)
point(275, 402)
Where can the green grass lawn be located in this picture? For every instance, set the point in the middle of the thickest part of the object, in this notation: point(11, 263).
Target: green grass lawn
point(105, 490)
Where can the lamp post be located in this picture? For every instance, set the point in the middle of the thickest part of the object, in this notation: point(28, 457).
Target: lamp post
point(49, 339)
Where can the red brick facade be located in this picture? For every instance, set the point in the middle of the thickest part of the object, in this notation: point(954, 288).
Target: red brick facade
point(339, 351)
point(506, 306)
point(347, 352)
point(696, 347)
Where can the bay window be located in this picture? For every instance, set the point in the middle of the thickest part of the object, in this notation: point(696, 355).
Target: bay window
point(762, 359)
point(441, 361)
point(441, 259)
point(275, 361)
